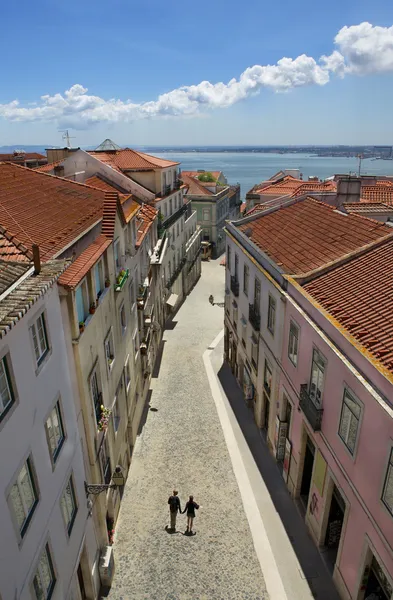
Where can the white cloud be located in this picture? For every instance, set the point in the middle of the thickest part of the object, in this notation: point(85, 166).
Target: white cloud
point(361, 49)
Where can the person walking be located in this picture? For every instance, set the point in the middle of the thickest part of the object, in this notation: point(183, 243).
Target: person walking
point(190, 509)
point(174, 506)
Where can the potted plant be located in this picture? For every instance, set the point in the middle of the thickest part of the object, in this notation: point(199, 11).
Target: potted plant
point(107, 282)
point(104, 419)
point(111, 358)
point(92, 308)
point(81, 326)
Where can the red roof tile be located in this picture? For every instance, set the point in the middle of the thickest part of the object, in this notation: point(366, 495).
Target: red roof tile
point(144, 221)
point(368, 208)
point(216, 174)
point(315, 186)
point(85, 261)
point(377, 193)
point(49, 166)
point(128, 159)
point(101, 184)
point(44, 209)
point(22, 157)
point(358, 294)
point(111, 204)
point(195, 187)
point(308, 234)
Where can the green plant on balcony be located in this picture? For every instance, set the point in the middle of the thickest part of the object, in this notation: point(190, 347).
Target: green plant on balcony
point(120, 276)
point(206, 177)
point(104, 419)
point(92, 308)
point(81, 326)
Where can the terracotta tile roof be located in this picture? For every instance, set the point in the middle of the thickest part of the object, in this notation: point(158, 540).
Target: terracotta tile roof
point(85, 261)
point(22, 157)
point(44, 209)
point(16, 304)
point(111, 204)
point(128, 159)
point(367, 208)
point(308, 234)
point(130, 207)
point(377, 193)
point(257, 208)
point(315, 186)
point(243, 207)
point(49, 166)
point(194, 187)
point(102, 184)
point(10, 273)
point(13, 250)
point(284, 185)
point(358, 294)
point(215, 174)
point(144, 221)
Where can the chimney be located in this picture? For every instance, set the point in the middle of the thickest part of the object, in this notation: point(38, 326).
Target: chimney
point(36, 259)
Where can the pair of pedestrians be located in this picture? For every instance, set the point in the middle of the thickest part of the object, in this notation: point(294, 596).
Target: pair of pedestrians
point(175, 507)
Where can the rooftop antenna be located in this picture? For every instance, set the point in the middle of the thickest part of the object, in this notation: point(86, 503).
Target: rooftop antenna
point(66, 137)
point(360, 158)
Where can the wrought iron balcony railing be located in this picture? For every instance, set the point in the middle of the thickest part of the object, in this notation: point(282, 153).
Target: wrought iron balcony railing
point(254, 317)
point(312, 412)
point(175, 216)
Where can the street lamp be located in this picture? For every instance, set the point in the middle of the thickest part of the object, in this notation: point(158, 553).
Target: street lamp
point(97, 488)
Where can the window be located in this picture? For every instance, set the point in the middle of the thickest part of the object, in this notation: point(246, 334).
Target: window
point(123, 319)
point(165, 210)
point(68, 505)
point(254, 352)
point(109, 350)
point(235, 316)
point(257, 296)
point(317, 376)
point(116, 408)
point(236, 267)
point(244, 330)
point(55, 431)
point(99, 278)
point(178, 256)
point(44, 579)
point(117, 256)
point(40, 339)
point(206, 214)
point(105, 462)
point(293, 343)
point(229, 258)
point(132, 294)
point(95, 387)
point(82, 302)
point(170, 206)
point(387, 495)
point(271, 314)
point(127, 374)
point(6, 392)
point(135, 345)
point(23, 497)
point(267, 379)
point(349, 421)
point(245, 279)
point(181, 225)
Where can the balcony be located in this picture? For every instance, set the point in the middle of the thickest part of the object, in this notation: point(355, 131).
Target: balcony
point(176, 184)
point(312, 413)
point(175, 216)
point(234, 286)
point(176, 273)
point(254, 317)
point(121, 279)
point(143, 292)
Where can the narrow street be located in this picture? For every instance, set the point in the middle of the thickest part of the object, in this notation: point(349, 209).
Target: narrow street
point(191, 441)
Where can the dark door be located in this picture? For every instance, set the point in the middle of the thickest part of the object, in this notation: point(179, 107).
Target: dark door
point(81, 583)
point(334, 527)
point(307, 470)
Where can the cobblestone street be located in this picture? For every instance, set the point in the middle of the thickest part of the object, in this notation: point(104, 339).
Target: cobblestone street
point(182, 446)
point(192, 442)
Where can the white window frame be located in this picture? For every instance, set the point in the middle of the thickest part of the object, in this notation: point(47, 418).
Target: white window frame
point(127, 368)
point(246, 279)
point(271, 314)
point(5, 375)
point(96, 375)
point(344, 435)
point(314, 396)
point(109, 348)
point(99, 275)
point(388, 480)
point(54, 453)
point(28, 511)
point(116, 411)
point(134, 345)
point(254, 350)
point(40, 575)
point(267, 368)
point(39, 347)
point(69, 519)
point(117, 256)
point(206, 214)
point(122, 311)
point(292, 355)
point(85, 299)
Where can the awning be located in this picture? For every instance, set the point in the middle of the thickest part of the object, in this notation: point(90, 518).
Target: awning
point(172, 300)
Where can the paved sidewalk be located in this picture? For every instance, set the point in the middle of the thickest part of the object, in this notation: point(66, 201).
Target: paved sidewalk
point(182, 446)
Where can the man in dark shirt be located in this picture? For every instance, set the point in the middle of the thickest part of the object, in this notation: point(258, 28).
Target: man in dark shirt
point(174, 506)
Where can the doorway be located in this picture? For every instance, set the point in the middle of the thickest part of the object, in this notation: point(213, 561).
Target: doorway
point(377, 586)
point(334, 527)
point(307, 471)
point(81, 584)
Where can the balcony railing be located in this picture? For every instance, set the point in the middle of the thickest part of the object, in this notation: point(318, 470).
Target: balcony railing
point(312, 412)
point(254, 317)
point(234, 286)
point(175, 216)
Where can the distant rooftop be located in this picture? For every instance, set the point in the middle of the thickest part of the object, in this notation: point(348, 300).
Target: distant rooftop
point(107, 145)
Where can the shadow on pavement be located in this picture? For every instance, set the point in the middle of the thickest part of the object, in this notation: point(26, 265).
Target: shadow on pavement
point(157, 364)
point(309, 557)
point(145, 412)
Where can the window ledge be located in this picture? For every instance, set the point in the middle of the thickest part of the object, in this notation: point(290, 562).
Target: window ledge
point(89, 317)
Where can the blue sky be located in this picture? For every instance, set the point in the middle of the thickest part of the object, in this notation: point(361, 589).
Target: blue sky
point(139, 50)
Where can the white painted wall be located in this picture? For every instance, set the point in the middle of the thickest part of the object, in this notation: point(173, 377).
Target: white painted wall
point(23, 433)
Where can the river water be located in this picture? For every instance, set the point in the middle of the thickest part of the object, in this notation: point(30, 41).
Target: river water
point(249, 168)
